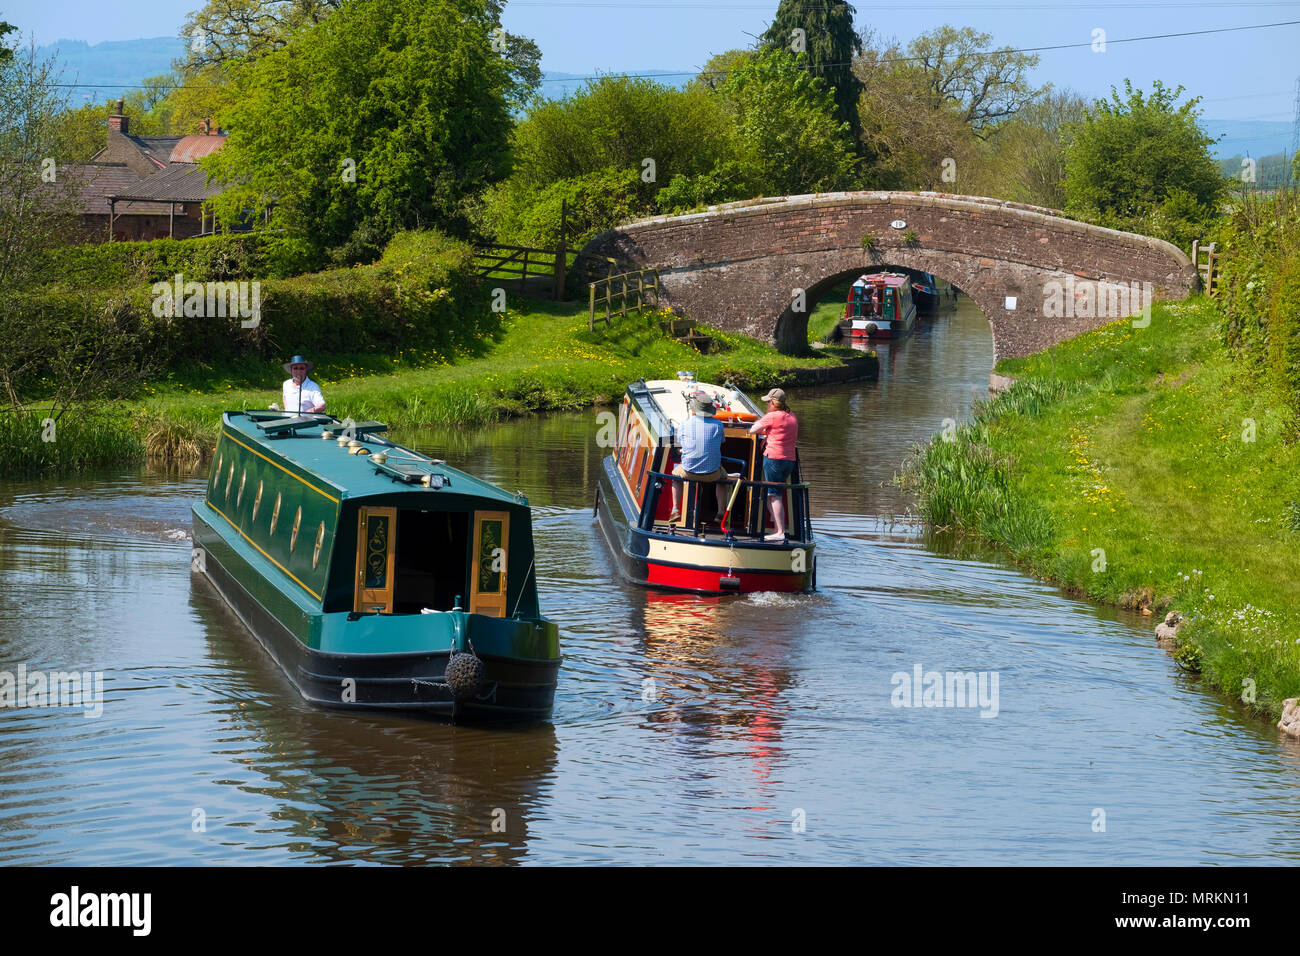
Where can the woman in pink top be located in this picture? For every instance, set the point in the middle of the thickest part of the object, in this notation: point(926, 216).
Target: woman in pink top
point(782, 431)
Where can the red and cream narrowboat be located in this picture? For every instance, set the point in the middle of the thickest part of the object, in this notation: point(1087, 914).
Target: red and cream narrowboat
point(879, 306)
point(702, 552)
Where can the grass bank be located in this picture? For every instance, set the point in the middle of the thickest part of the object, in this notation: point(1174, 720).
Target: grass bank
point(543, 358)
point(1144, 467)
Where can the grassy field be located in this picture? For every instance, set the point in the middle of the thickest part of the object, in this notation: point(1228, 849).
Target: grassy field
point(1141, 467)
point(544, 359)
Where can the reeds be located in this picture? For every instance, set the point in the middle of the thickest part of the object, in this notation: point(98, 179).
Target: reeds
point(33, 443)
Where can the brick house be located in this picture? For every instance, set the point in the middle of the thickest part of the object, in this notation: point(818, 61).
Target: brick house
point(145, 187)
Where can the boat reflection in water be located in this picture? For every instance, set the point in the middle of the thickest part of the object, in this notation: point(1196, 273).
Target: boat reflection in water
point(721, 691)
point(376, 789)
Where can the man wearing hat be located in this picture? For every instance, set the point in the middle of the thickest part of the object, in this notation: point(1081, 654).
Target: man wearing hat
point(701, 441)
point(782, 431)
point(301, 394)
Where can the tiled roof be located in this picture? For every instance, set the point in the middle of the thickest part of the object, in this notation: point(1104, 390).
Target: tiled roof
point(95, 182)
point(157, 148)
point(179, 182)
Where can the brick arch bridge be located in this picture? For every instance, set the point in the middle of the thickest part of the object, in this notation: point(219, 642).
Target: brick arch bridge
point(737, 266)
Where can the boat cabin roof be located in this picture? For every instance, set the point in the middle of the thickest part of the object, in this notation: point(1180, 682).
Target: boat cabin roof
point(668, 397)
point(297, 440)
point(891, 280)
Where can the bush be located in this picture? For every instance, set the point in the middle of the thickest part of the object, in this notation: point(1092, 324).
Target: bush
point(519, 214)
point(118, 264)
point(726, 182)
point(1259, 246)
point(1284, 330)
point(286, 255)
point(421, 293)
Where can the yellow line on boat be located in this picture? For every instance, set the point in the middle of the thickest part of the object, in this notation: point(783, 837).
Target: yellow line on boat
point(281, 467)
point(260, 551)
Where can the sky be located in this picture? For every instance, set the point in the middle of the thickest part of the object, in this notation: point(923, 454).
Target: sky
point(1250, 74)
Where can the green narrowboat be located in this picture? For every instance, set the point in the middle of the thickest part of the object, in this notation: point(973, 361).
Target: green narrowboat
point(375, 576)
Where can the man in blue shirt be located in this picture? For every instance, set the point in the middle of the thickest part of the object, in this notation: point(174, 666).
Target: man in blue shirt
point(701, 440)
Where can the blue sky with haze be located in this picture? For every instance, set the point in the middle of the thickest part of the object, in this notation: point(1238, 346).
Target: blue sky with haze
point(1241, 76)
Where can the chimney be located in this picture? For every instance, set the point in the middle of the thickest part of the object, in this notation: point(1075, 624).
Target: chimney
point(205, 128)
point(119, 122)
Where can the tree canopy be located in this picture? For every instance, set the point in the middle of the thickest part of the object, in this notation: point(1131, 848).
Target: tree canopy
point(830, 42)
point(222, 32)
point(984, 86)
point(387, 114)
point(1129, 155)
point(785, 120)
point(618, 122)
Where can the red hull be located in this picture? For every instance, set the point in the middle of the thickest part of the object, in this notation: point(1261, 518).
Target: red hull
point(699, 579)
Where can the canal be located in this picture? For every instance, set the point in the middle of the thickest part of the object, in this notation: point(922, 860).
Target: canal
point(762, 729)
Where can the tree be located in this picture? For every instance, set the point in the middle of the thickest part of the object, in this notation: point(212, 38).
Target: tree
point(227, 31)
point(906, 136)
point(830, 43)
point(787, 133)
point(388, 114)
point(224, 30)
point(519, 214)
point(619, 122)
point(928, 112)
point(1130, 155)
point(985, 86)
point(1028, 160)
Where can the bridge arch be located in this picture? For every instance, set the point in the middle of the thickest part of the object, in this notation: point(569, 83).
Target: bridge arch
point(737, 266)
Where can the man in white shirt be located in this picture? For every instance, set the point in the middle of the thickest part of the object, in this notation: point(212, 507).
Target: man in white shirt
point(301, 394)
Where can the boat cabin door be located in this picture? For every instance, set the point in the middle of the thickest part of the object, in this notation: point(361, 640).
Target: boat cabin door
point(487, 591)
point(376, 556)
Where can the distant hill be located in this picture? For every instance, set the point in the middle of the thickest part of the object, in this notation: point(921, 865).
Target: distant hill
point(108, 68)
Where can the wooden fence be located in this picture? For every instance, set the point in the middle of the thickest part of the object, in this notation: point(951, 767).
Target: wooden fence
point(635, 290)
point(1206, 261)
point(540, 271)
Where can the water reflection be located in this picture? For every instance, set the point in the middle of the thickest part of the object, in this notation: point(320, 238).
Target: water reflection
point(373, 788)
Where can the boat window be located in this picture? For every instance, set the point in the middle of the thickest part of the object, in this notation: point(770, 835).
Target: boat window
point(216, 473)
point(432, 561)
point(634, 445)
point(275, 512)
point(229, 479)
point(243, 478)
point(257, 499)
point(640, 470)
point(297, 523)
point(320, 540)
